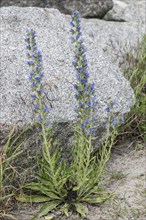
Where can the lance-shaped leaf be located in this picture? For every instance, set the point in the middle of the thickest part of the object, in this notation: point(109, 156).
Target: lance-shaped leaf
point(46, 208)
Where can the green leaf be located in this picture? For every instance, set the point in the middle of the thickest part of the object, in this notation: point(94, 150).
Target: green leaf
point(65, 209)
point(44, 181)
point(50, 217)
point(96, 191)
point(43, 189)
point(46, 208)
point(31, 198)
point(94, 200)
point(81, 209)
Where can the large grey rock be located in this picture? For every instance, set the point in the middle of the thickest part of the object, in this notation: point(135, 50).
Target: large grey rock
point(23, 3)
point(87, 8)
point(127, 10)
point(54, 41)
point(107, 43)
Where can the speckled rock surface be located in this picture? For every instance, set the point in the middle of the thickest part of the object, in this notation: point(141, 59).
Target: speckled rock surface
point(54, 41)
point(127, 10)
point(87, 8)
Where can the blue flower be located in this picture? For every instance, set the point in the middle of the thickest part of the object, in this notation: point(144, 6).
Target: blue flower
point(37, 106)
point(38, 79)
point(86, 73)
point(83, 80)
point(33, 85)
point(75, 86)
point(122, 121)
point(108, 109)
point(80, 104)
point(85, 90)
point(90, 130)
point(45, 109)
point(72, 39)
point(79, 69)
point(33, 96)
point(72, 24)
point(40, 118)
point(30, 63)
point(40, 91)
point(82, 125)
point(72, 31)
point(39, 130)
point(88, 103)
point(30, 77)
point(75, 14)
point(74, 63)
point(32, 73)
point(41, 75)
point(105, 124)
point(27, 39)
point(27, 30)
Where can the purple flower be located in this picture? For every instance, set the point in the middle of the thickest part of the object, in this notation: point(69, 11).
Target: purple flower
point(76, 96)
point(80, 104)
point(85, 90)
point(27, 39)
point(30, 77)
point(74, 14)
point(33, 85)
point(82, 125)
point(41, 75)
point(28, 47)
point(40, 91)
point(79, 69)
point(40, 118)
point(72, 24)
point(27, 30)
point(86, 73)
point(88, 103)
point(90, 130)
point(72, 39)
point(122, 121)
point(108, 109)
point(30, 63)
point(33, 96)
point(38, 79)
point(32, 73)
point(74, 63)
point(37, 106)
point(72, 31)
point(83, 80)
point(75, 86)
point(39, 130)
point(81, 40)
point(78, 27)
point(77, 76)
point(45, 109)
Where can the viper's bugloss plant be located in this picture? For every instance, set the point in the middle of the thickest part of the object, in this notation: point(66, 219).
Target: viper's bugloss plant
point(53, 173)
point(86, 168)
point(80, 181)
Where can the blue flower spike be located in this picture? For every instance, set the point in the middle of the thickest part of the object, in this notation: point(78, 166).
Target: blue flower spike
point(36, 77)
point(85, 91)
